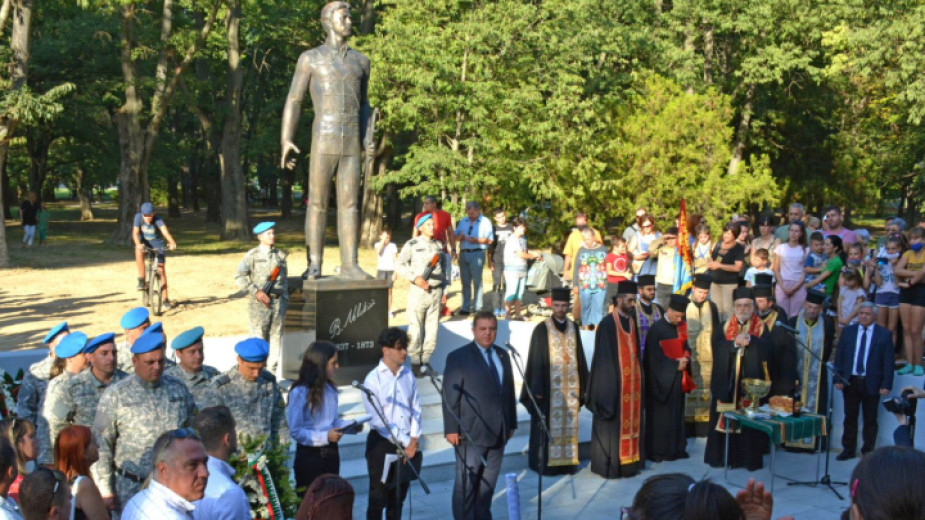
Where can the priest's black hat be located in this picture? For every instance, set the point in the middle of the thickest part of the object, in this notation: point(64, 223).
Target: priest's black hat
point(645, 280)
point(560, 294)
point(814, 296)
point(627, 287)
point(762, 291)
point(743, 292)
point(703, 281)
point(678, 303)
point(764, 279)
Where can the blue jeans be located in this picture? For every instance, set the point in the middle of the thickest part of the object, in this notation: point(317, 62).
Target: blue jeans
point(471, 264)
point(592, 307)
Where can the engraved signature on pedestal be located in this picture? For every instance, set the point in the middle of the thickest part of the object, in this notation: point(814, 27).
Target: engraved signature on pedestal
point(356, 312)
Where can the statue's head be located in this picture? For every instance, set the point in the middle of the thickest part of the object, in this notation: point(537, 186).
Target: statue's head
point(336, 16)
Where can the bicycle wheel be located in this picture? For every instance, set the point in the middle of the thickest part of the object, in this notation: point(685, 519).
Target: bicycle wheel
point(155, 286)
point(145, 299)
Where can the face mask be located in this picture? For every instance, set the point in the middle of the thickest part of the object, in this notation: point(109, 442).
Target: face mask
point(916, 247)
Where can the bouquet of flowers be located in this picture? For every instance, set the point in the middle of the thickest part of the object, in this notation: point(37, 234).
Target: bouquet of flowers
point(262, 471)
point(9, 389)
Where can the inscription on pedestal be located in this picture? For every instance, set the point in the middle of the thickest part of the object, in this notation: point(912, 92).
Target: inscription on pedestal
point(348, 313)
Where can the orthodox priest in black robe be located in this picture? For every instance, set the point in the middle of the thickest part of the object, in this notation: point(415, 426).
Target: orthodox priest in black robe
point(738, 353)
point(817, 333)
point(702, 321)
point(783, 346)
point(665, 365)
point(615, 391)
point(557, 372)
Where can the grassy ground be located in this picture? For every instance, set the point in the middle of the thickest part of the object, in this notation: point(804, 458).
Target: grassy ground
point(78, 277)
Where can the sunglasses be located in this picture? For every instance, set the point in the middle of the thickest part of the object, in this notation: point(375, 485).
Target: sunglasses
point(60, 479)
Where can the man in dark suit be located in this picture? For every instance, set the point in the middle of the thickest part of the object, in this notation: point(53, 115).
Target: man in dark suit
point(865, 357)
point(478, 386)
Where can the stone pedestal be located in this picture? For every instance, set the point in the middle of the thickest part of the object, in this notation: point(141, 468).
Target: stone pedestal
point(348, 313)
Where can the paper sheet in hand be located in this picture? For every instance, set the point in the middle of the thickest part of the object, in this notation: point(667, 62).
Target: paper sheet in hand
point(353, 426)
point(387, 465)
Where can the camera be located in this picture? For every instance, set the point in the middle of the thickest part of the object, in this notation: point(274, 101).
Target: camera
point(901, 404)
point(882, 260)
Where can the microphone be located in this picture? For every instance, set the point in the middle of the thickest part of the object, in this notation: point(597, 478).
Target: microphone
point(359, 386)
point(511, 350)
point(786, 327)
point(427, 370)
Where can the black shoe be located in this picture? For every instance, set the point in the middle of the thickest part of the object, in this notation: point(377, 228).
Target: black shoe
point(166, 305)
point(416, 370)
point(141, 284)
point(845, 455)
point(463, 313)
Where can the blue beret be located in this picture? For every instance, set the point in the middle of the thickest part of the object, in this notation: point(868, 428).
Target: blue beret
point(147, 343)
point(71, 345)
point(102, 339)
point(263, 226)
point(154, 327)
point(253, 350)
point(57, 329)
point(424, 219)
point(187, 338)
point(134, 318)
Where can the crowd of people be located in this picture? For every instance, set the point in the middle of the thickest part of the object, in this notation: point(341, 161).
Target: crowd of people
point(116, 426)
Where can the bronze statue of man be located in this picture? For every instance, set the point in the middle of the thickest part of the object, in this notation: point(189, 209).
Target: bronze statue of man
point(337, 77)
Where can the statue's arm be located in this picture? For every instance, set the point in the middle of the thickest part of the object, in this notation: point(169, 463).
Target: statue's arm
point(365, 108)
point(300, 82)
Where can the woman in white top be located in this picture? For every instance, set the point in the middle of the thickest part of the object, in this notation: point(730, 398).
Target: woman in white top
point(312, 415)
point(764, 240)
point(639, 247)
point(788, 270)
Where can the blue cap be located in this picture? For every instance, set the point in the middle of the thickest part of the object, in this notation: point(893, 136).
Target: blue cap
point(134, 318)
point(153, 328)
point(71, 345)
point(102, 339)
point(147, 208)
point(424, 219)
point(263, 226)
point(187, 338)
point(253, 350)
point(57, 329)
point(147, 343)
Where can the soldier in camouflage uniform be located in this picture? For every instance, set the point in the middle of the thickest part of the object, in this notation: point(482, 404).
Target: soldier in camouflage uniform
point(252, 394)
point(75, 400)
point(35, 380)
point(190, 370)
point(71, 350)
point(134, 322)
point(131, 415)
point(265, 310)
point(423, 295)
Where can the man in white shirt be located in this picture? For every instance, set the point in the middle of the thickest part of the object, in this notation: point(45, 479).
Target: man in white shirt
point(394, 395)
point(224, 499)
point(179, 478)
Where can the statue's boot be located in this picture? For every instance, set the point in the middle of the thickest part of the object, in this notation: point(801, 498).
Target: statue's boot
point(348, 235)
point(314, 243)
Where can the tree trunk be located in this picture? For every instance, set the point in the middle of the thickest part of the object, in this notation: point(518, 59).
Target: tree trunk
point(738, 151)
point(8, 199)
point(234, 201)
point(211, 176)
point(708, 55)
point(4, 187)
point(136, 143)
point(173, 196)
point(394, 205)
point(371, 221)
point(37, 144)
point(285, 184)
point(83, 195)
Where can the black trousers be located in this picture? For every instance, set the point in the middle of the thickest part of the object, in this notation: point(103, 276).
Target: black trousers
point(857, 399)
point(381, 496)
point(311, 462)
point(479, 481)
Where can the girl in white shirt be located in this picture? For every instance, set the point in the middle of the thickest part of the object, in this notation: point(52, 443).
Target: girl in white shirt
point(312, 415)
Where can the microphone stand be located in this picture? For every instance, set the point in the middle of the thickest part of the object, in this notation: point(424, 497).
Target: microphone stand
point(547, 437)
point(826, 479)
point(466, 441)
point(399, 450)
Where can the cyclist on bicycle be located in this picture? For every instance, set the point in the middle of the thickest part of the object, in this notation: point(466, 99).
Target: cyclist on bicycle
point(150, 231)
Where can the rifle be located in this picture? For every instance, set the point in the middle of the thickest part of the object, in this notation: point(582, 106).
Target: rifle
point(429, 270)
point(271, 278)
